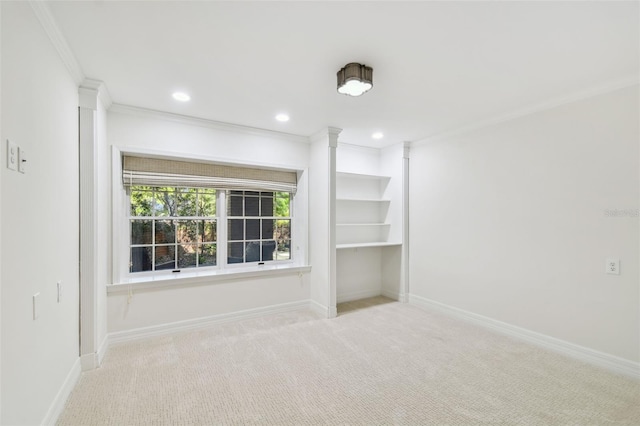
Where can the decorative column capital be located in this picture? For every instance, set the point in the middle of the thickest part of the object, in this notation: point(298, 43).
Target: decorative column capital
point(406, 149)
point(90, 92)
point(330, 134)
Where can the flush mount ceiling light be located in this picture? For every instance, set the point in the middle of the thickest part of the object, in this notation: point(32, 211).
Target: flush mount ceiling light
point(355, 79)
point(181, 96)
point(282, 117)
point(377, 135)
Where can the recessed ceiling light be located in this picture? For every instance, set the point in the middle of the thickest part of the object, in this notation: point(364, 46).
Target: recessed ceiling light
point(181, 96)
point(282, 117)
point(377, 135)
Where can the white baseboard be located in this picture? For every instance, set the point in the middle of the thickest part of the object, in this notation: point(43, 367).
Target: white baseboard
point(609, 362)
point(395, 295)
point(63, 394)
point(102, 349)
point(89, 361)
point(357, 295)
point(323, 311)
point(199, 323)
point(94, 360)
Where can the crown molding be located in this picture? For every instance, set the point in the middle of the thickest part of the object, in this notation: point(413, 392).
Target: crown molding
point(602, 89)
point(202, 122)
point(48, 22)
point(357, 147)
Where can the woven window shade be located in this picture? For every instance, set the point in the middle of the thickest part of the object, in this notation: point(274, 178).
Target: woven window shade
point(159, 172)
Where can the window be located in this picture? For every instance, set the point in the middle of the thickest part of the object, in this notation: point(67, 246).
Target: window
point(259, 226)
point(189, 215)
point(172, 228)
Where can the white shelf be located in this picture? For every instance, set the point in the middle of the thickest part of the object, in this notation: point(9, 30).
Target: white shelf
point(363, 224)
point(361, 176)
point(362, 200)
point(373, 244)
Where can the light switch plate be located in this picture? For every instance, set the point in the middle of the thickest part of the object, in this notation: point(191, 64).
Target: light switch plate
point(36, 305)
point(12, 155)
point(22, 160)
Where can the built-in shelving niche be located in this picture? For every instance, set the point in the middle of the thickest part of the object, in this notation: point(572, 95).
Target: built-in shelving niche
point(369, 222)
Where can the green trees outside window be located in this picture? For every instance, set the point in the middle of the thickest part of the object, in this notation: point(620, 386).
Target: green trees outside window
point(176, 228)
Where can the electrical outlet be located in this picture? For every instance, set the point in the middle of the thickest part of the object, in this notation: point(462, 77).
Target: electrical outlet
point(612, 266)
point(12, 155)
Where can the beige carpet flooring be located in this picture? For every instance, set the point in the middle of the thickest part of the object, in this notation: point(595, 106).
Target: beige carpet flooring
point(378, 363)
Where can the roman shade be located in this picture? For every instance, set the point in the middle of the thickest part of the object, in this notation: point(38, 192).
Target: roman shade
point(146, 171)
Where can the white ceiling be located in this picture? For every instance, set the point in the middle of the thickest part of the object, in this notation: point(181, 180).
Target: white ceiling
point(438, 66)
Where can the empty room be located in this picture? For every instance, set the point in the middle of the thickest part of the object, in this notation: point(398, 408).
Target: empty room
point(320, 213)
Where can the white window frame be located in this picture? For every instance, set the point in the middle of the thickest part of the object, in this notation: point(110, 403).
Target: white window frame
point(121, 231)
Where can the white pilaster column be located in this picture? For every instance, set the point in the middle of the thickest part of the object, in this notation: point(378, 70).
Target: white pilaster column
point(94, 100)
point(1, 147)
point(332, 134)
point(87, 114)
point(322, 220)
point(404, 272)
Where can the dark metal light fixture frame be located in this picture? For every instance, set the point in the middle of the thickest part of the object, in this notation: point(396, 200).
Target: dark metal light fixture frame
point(355, 79)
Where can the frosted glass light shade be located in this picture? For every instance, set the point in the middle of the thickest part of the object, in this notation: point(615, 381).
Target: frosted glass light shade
point(355, 79)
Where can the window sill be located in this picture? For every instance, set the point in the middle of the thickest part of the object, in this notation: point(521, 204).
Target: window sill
point(185, 279)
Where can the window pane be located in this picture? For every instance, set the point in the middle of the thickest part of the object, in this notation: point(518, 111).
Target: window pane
point(186, 199)
point(165, 257)
point(253, 193)
point(207, 202)
point(268, 225)
point(165, 232)
point(141, 201)
point(141, 232)
point(187, 254)
point(266, 202)
point(252, 251)
point(282, 204)
point(165, 202)
point(235, 206)
point(140, 259)
point(283, 250)
point(253, 229)
point(252, 206)
point(209, 234)
point(207, 256)
point(283, 238)
point(188, 231)
point(268, 249)
point(235, 252)
point(236, 229)
point(283, 231)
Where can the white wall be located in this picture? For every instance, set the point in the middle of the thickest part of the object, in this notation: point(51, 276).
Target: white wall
point(357, 159)
point(509, 222)
point(39, 220)
point(191, 138)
